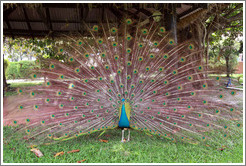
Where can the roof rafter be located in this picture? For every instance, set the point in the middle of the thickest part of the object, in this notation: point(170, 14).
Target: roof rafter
point(27, 20)
point(6, 14)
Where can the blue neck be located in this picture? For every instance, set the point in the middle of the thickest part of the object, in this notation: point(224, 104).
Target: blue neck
point(124, 122)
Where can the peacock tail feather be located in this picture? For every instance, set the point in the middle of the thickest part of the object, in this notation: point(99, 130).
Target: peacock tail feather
point(164, 84)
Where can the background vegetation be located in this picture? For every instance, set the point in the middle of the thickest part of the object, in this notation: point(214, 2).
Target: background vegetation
point(21, 69)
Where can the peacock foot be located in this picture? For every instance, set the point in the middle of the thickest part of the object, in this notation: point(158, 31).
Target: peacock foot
point(124, 140)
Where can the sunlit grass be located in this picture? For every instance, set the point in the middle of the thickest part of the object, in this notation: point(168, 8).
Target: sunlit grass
point(13, 86)
point(141, 149)
point(24, 84)
point(233, 76)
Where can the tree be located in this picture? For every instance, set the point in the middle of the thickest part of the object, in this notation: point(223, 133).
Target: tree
point(19, 48)
point(5, 66)
point(230, 54)
point(223, 20)
point(224, 51)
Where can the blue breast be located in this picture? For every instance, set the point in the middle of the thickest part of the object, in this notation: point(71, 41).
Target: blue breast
point(124, 122)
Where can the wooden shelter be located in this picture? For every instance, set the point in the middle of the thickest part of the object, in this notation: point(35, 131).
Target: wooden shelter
point(184, 21)
point(52, 19)
point(31, 20)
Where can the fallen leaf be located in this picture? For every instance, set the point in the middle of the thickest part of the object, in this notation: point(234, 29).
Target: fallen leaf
point(32, 146)
point(102, 140)
point(73, 151)
point(59, 154)
point(81, 161)
point(107, 135)
point(25, 137)
point(13, 149)
point(223, 147)
point(202, 131)
point(37, 152)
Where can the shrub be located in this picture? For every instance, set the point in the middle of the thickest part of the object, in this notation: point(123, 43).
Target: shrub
point(21, 69)
point(12, 71)
point(26, 68)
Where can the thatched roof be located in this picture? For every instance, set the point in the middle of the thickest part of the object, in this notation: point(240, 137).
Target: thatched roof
point(51, 19)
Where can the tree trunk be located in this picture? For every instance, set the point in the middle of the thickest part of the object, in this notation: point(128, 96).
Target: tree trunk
point(227, 67)
point(207, 56)
point(5, 85)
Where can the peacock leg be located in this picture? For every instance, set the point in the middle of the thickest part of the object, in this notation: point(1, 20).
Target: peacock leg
point(128, 135)
point(122, 139)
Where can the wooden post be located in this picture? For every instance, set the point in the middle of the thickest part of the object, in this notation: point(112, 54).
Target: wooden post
point(170, 21)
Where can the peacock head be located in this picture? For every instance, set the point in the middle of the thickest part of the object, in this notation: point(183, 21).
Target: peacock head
point(123, 100)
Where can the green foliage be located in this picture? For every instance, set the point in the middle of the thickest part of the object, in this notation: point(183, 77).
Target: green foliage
point(40, 49)
point(20, 48)
point(21, 69)
point(216, 65)
point(12, 71)
point(26, 68)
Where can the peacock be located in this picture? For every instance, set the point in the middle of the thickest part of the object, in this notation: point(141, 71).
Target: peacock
point(128, 76)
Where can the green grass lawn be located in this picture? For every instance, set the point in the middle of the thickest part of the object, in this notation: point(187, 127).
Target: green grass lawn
point(233, 76)
point(23, 85)
point(141, 149)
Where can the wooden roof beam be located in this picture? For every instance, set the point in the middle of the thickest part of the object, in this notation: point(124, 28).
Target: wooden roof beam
point(48, 19)
point(81, 19)
point(42, 16)
point(6, 14)
point(60, 5)
point(27, 20)
point(57, 21)
point(8, 11)
point(193, 8)
point(42, 33)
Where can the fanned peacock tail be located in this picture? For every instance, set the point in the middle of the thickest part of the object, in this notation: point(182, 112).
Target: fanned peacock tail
point(163, 82)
